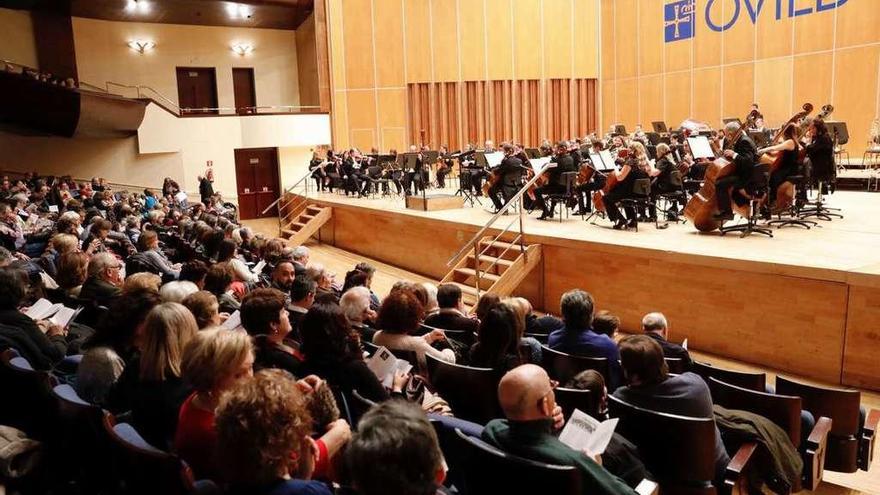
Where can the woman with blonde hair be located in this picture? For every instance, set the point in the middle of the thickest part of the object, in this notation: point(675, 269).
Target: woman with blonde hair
point(72, 272)
point(635, 167)
point(142, 280)
point(152, 388)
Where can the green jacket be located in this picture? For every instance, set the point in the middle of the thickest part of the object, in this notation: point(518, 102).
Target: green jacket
point(533, 440)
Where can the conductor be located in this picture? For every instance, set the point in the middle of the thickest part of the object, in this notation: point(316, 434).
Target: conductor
point(741, 150)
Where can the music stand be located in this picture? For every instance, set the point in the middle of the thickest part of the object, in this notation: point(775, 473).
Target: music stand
point(620, 129)
point(653, 137)
point(533, 153)
point(760, 138)
point(659, 127)
point(462, 191)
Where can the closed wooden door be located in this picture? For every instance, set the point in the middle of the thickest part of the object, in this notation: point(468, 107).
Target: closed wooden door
point(256, 174)
point(244, 90)
point(197, 89)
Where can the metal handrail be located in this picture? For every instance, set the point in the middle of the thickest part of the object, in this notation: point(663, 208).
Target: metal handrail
point(476, 238)
point(304, 177)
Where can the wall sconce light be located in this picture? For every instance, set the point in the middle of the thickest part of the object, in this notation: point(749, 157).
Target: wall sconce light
point(141, 46)
point(242, 49)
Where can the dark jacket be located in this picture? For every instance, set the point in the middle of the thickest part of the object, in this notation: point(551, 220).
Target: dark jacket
point(99, 291)
point(42, 351)
point(672, 350)
point(206, 189)
point(588, 343)
point(534, 440)
point(821, 153)
point(348, 375)
point(268, 355)
point(452, 320)
point(746, 156)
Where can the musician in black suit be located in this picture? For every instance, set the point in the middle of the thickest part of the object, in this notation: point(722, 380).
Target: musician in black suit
point(507, 173)
point(667, 179)
point(564, 163)
point(413, 174)
point(355, 179)
point(742, 151)
point(444, 168)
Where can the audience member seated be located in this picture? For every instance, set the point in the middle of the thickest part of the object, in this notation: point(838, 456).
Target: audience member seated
point(72, 272)
point(605, 323)
point(332, 351)
point(282, 276)
point(177, 291)
point(114, 345)
point(142, 280)
point(148, 242)
point(400, 316)
point(213, 362)
point(500, 344)
point(194, 271)
point(265, 317)
point(369, 270)
point(302, 297)
point(300, 258)
point(395, 452)
point(263, 438)
point(355, 303)
point(431, 306)
point(105, 280)
point(649, 386)
point(527, 399)
point(324, 292)
point(43, 343)
point(655, 326)
point(205, 309)
point(228, 253)
point(151, 386)
point(577, 336)
point(218, 282)
point(484, 304)
point(451, 313)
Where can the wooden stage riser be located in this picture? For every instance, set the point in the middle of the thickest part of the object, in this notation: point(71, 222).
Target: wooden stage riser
point(821, 329)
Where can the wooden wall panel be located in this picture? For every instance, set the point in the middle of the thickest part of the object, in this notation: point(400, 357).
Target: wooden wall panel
point(362, 110)
point(678, 98)
point(363, 138)
point(358, 58)
point(388, 17)
point(558, 30)
point(586, 39)
point(774, 37)
point(608, 46)
point(417, 20)
point(472, 32)
point(527, 53)
point(626, 38)
point(855, 93)
point(628, 102)
point(499, 26)
point(773, 79)
point(609, 105)
point(650, 54)
point(738, 44)
point(857, 23)
point(862, 338)
point(392, 113)
point(444, 32)
point(340, 120)
point(707, 96)
point(679, 55)
point(394, 138)
point(707, 52)
point(814, 32)
point(739, 93)
point(337, 48)
point(812, 80)
point(650, 100)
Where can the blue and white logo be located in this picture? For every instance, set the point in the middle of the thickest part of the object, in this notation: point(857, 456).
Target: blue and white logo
point(679, 17)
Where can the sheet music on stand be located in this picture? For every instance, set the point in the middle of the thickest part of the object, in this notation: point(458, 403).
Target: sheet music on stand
point(606, 161)
point(494, 159)
point(539, 163)
point(700, 147)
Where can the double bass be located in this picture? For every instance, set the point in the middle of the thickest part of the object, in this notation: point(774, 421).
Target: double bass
point(774, 159)
point(786, 192)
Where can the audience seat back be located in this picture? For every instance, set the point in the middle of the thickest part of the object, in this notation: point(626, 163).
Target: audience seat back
point(358, 405)
point(782, 410)
point(28, 403)
point(489, 470)
point(842, 406)
point(678, 450)
point(472, 393)
point(563, 367)
point(570, 399)
point(676, 365)
point(83, 441)
point(744, 379)
point(144, 469)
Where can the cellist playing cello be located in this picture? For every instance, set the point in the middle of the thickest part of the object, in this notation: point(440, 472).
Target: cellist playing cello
point(787, 164)
point(741, 150)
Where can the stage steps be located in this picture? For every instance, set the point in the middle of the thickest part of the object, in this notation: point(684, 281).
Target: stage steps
point(499, 267)
point(301, 219)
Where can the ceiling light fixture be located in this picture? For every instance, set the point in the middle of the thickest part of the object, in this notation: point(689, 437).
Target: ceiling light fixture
point(238, 10)
point(141, 46)
point(140, 6)
point(242, 49)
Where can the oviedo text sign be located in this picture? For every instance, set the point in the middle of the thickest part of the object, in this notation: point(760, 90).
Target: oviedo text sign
point(680, 16)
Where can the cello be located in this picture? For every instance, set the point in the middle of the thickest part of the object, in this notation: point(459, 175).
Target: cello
point(786, 191)
point(611, 182)
point(774, 159)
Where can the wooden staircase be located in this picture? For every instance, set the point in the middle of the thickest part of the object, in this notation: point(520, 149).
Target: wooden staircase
point(494, 266)
point(300, 219)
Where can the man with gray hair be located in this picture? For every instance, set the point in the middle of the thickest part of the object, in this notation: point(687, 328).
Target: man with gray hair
point(300, 258)
point(655, 326)
point(740, 149)
point(578, 338)
point(104, 281)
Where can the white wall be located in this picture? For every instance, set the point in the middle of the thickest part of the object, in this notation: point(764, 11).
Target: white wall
point(17, 43)
point(103, 55)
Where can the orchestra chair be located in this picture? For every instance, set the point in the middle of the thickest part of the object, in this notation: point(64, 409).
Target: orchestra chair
point(83, 442)
point(850, 443)
point(871, 156)
point(676, 365)
point(490, 470)
point(563, 367)
point(839, 151)
point(680, 450)
point(744, 379)
point(785, 412)
point(756, 193)
point(793, 214)
point(146, 470)
point(817, 207)
point(471, 392)
point(667, 204)
point(568, 180)
point(374, 172)
point(570, 399)
point(641, 197)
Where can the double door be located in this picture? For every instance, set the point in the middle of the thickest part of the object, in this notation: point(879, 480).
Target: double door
point(256, 174)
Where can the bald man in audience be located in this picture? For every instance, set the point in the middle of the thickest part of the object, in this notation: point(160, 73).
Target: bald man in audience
point(527, 398)
point(655, 326)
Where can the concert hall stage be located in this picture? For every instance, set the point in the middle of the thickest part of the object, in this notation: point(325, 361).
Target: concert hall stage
point(806, 301)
